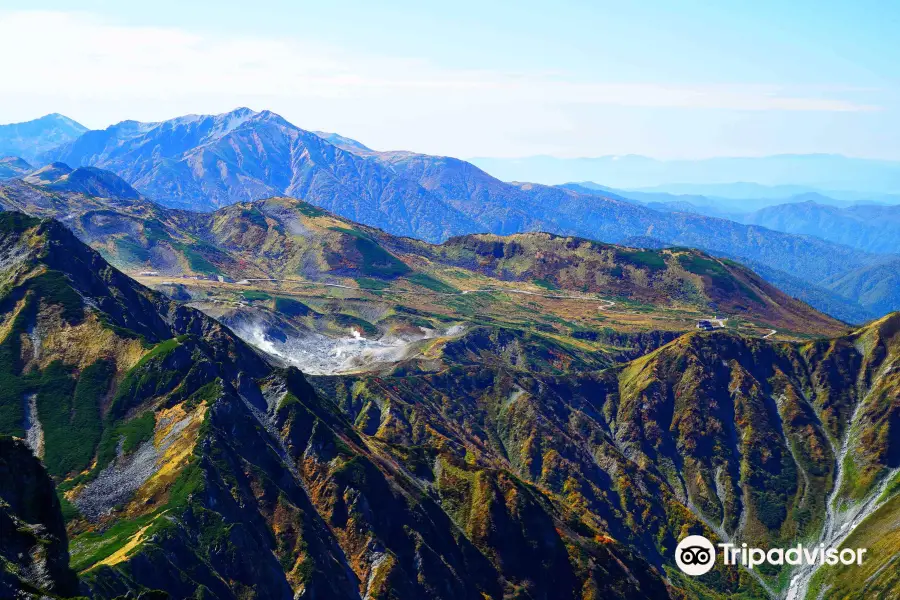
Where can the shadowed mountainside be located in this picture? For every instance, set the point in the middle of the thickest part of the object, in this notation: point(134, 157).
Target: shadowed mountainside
point(33, 544)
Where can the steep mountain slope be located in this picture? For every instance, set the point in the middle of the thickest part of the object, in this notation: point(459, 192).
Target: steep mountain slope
point(181, 454)
point(496, 206)
point(34, 560)
point(870, 228)
point(877, 286)
point(767, 443)
point(13, 166)
point(480, 478)
point(32, 138)
point(342, 142)
point(818, 296)
point(205, 162)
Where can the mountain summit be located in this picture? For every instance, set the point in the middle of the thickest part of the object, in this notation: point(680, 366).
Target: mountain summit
point(32, 138)
point(89, 181)
point(203, 162)
point(13, 166)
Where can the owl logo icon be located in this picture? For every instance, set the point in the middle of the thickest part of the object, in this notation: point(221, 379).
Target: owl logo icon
point(695, 555)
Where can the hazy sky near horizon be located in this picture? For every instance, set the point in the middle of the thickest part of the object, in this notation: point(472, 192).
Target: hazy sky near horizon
point(668, 79)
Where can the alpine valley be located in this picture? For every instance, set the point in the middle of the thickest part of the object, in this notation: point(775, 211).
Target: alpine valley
point(243, 360)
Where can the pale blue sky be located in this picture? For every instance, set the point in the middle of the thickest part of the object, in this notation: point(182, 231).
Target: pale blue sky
point(679, 79)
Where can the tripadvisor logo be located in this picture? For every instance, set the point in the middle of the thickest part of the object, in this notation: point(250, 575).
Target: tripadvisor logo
point(696, 555)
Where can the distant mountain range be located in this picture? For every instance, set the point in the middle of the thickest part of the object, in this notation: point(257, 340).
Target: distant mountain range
point(710, 205)
point(870, 227)
point(714, 176)
point(202, 162)
point(775, 194)
point(32, 138)
point(855, 295)
point(285, 237)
